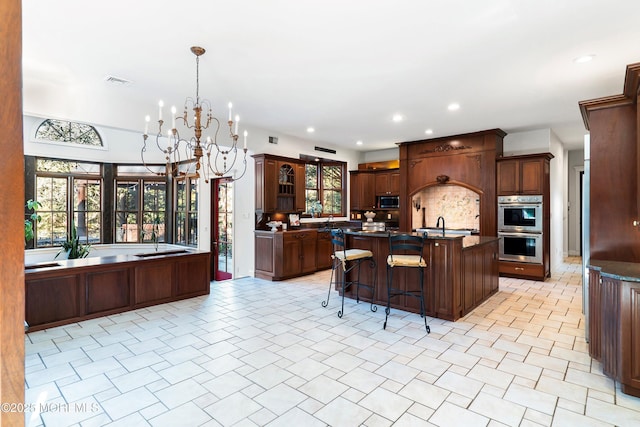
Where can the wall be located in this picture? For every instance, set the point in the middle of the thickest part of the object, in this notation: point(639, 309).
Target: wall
point(380, 155)
point(458, 205)
point(122, 146)
point(575, 164)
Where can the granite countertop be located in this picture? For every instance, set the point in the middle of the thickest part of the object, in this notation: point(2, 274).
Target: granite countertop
point(102, 260)
point(627, 271)
point(467, 241)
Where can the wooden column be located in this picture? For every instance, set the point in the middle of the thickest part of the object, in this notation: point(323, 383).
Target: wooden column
point(11, 213)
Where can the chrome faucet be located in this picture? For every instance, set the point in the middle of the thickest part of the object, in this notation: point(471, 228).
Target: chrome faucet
point(438, 224)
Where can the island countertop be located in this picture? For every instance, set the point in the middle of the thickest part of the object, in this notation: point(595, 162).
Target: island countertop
point(467, 240)
point(619, 270)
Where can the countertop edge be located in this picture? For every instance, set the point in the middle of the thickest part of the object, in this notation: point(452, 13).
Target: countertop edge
point(619, 270)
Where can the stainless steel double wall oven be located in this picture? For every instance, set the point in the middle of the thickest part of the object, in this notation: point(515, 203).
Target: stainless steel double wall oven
point(520, 228)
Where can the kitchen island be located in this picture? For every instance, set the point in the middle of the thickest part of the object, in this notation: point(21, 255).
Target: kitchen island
point(60, 292)
point(462, 272)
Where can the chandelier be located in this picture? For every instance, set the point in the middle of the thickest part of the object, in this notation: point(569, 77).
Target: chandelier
point(210, 158)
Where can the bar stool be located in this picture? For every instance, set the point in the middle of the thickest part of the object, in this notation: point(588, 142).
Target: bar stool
point(349, 259)
point(405, 251)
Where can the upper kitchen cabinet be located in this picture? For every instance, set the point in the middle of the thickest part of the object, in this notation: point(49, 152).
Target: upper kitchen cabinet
point(279, 184)
point(387, 183)
point(527, 174)
point(614, 192)
point(363, 195)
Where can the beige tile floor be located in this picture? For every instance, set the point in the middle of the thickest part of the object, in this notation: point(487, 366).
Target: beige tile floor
point(261, 353)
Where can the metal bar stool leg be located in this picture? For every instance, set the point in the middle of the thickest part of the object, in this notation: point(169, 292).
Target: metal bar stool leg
point(387, 310)
point(423, 311)
point(372, 261)
point(333, 269)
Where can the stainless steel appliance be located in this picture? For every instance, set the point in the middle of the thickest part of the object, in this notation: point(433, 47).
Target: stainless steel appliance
point(520, 214)
point(586, 250)
point(521, 247)
point(388, 202)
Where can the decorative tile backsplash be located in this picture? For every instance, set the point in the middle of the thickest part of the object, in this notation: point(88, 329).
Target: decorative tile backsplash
point(459, 206)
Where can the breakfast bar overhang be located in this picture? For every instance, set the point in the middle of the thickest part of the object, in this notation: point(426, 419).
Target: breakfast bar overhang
point(461, 273)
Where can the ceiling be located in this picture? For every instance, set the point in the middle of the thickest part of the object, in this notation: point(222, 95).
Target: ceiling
point(344, 68)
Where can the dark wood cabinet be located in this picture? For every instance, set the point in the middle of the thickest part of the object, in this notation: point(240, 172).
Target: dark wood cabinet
point(299, 252)
point(614, 191)
point(76, 290)
point(614, 330)
point(324, 250)
point(387, 183)
point(445, 272)
point(528, 175)
point(362, 196)
point(279, 183)
point(283, 255)
point(479, 275)
point(523, 174)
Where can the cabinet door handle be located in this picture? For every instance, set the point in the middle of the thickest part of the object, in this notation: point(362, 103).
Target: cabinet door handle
point(519, 269)
point(635, 223)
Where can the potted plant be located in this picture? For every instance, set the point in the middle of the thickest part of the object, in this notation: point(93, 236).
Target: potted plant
point(315, 208)
point(29, 223)
point(73, 247)
point(153, 234)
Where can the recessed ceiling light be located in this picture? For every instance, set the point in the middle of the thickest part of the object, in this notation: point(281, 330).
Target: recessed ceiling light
point(584, 58)
point(310, 129)
point(429, 131)
point(358, 142)
point(398, 118)
point(453, 106)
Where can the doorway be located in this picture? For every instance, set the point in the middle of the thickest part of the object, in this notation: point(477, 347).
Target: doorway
point(222, 229)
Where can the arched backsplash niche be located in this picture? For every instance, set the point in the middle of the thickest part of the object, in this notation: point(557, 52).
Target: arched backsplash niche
point(458, 205)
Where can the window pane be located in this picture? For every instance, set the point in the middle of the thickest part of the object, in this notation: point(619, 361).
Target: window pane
point(127, 196)
point(193, 197)
point(180, 228)
point(60, 130)
point(311, 178)
point(332, 202)
point(332, 177)
point(193, 229)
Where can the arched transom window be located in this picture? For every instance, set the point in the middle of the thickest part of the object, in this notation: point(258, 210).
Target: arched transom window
point(72, 132)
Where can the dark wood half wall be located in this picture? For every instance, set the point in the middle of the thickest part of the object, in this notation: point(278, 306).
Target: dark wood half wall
point(11, 219)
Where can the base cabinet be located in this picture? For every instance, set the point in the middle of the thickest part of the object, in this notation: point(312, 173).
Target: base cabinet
point(479, 275)
point(523, 270)
point(77, 290)
point(614, 327)
point(283, 255)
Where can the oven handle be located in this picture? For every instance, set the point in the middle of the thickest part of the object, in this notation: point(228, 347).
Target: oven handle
point(512, 234)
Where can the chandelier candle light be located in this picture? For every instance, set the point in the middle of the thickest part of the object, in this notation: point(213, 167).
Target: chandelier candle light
point(223, 159)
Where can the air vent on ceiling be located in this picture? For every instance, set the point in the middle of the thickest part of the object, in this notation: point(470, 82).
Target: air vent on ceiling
point(273, 140)
point(325, 150)
point(117, 81)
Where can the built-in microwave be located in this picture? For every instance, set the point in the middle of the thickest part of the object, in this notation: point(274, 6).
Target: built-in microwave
point(388, 202)
point(520, 213)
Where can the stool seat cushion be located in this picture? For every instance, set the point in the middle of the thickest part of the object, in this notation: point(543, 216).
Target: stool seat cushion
point(406, 261)
point(352, 254)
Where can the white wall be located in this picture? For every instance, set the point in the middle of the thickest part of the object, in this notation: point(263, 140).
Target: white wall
point(122, 146)
point(575, 164)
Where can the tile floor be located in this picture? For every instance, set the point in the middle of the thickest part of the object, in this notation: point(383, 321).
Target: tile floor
point(261, 353)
